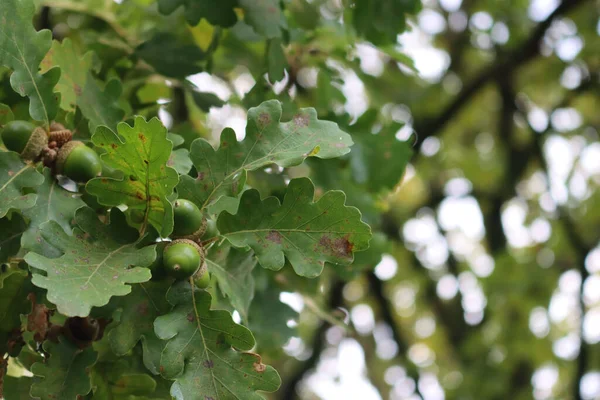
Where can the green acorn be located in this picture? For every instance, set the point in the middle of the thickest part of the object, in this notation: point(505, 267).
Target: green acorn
point(25, 138)
point(202, 277)
point(182, 258)
point(188, 219)
point(78, 162)
point(211, 229)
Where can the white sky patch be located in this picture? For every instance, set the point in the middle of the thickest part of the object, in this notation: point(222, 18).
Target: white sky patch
point(463, 214)
point(343, 375)
point(228, 116)
point(543, 381)
point(206, 82)
point(539, 10)
point(294, 300)
point(431, 63)
point(387, 267)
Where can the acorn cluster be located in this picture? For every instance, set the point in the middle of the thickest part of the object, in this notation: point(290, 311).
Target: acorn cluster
point(181, 258)
point(54, 148)
point(184, 257)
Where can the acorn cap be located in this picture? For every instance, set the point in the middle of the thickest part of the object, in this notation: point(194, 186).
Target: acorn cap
point(37, 142)
point(64, 152)
point(191, 243)
point(56, 126)
point(61, 137)
point(198, 234)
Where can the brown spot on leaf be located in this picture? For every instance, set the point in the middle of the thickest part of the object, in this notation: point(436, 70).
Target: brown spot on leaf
point(259, 367)
point(274, 236)
point(200, 176)
point(140, 195)
point(142, 137)
point(301, 120)
point(264, 119)
point(339, 247)
point(10, 173)
point(38, 321)
point(113, 145)
point(142, 308)
point(77, 89)
point(190, 317)
point(208, 364)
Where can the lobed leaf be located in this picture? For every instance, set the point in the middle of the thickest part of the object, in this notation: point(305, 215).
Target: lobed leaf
point(6, 115)
point(141, 152)
point(14, 287)
point(140, 308)
point(65, 373)
point(54, 203)
point(371, 152)
point(233, 270)
point(265, 16)
point(200, 354)
point(222, 172)
point(15, 176)
point(11, 231)
point(22, 50)
point(170, 57)
point(95, 265)
point(17, 388)
point(380, 22)
point(308, 233)
point(217, 13)
point(79, 88)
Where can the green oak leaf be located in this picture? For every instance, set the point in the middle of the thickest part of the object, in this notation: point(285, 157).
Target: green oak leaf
point(170, 57)
point(180, 161)
point(6, 115)
point(200, 354)
point(15, 175)
point(268, 320)
point(17, 388)
point(381, 21)
point(206, 100)
point(141, 152)
point(265, 16)
point(122, 380)
point(365, 260)
point(176, 139)
point(370, 151)
point(222, 172)
point(233, 270)
point(139, 309)
point(65, 373)
point(22, 51)
point(217, 13)
point(95, 264)
point(10, 236)
point(308, 233)
point(79, 88)
point(269, 316)
point(53, 204)
point(14, 288)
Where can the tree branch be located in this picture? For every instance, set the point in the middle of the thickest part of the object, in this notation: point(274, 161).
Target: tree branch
point(511, 60)
point(289, 390)
point(387, 314)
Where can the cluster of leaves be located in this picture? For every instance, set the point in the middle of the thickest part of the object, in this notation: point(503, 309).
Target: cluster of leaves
point(79, 307)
